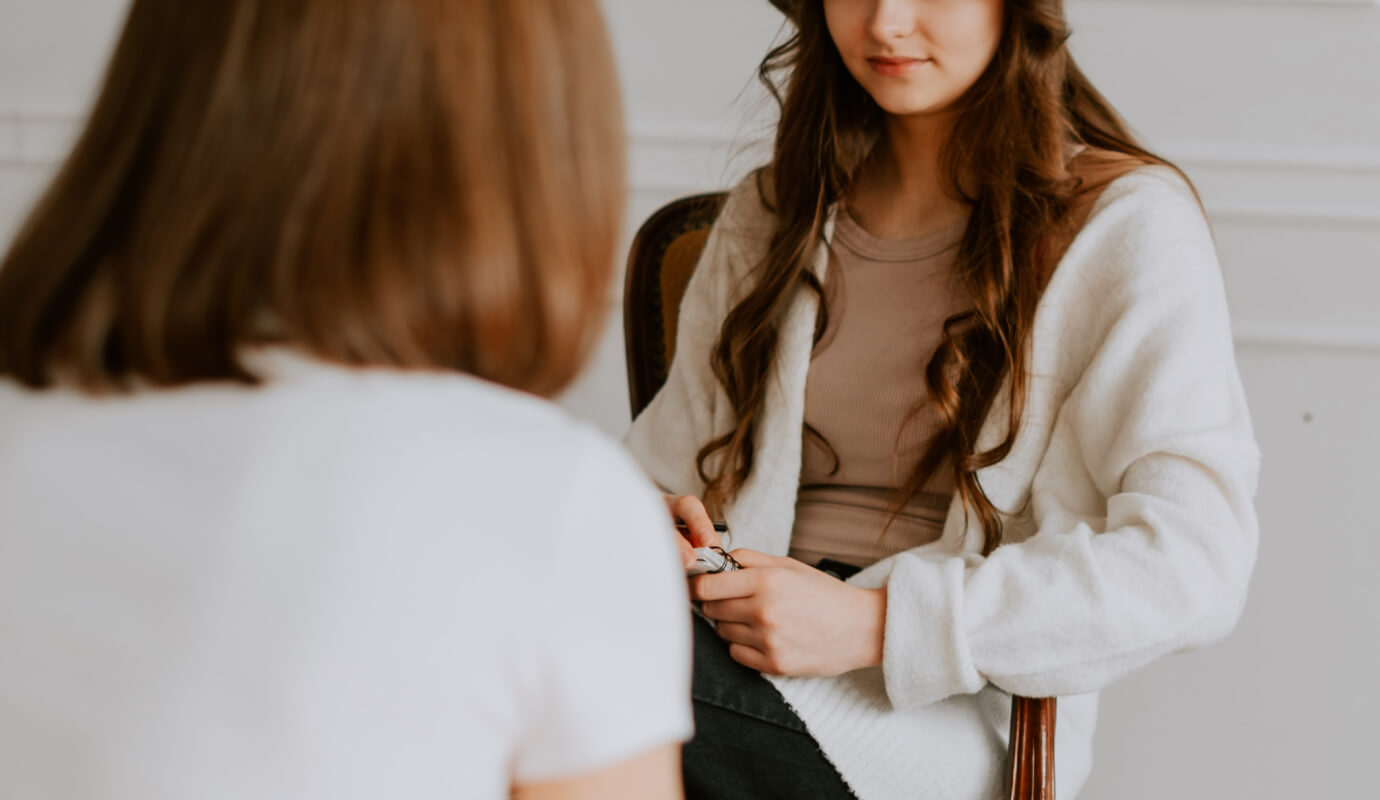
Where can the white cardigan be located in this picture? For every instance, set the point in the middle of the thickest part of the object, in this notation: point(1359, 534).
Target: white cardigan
point(1127, 499)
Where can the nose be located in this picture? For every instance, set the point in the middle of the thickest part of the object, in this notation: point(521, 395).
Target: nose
point(892, 19)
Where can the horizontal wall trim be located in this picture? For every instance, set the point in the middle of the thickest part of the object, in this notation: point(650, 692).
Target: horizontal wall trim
point(678, 186)
point(36, 139)
point(1243, 156)
point(1308, 217)
point(1295, 217)
point(41, 140)
point(1272, 185)
point(1295, 336)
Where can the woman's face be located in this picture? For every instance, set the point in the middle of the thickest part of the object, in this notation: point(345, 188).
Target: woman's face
point(915, 57)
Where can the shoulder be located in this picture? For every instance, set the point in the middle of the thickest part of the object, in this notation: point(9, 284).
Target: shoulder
point(1154, 201)
point(476, 416)
point(748, 211)
point(1143, 268)
point(451, 446)
point(736, 248)
point(1148, 227)
point(433, 419)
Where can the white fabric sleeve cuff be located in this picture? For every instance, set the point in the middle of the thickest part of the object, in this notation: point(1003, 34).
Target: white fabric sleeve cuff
point(925, 655)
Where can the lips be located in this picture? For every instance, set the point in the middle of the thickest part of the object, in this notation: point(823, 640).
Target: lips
point(895, 65)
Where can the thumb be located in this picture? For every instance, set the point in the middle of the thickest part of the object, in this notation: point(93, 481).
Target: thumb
point(687, 554)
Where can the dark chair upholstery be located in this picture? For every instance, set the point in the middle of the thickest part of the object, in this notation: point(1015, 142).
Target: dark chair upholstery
point(664, 254)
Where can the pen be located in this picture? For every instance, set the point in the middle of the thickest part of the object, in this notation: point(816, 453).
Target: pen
point(719, 527)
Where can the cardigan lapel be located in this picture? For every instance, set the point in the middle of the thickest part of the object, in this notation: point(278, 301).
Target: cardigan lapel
point(763, 516)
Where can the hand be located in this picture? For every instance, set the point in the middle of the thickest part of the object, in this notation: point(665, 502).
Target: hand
point(690, 510)
point(783, 617)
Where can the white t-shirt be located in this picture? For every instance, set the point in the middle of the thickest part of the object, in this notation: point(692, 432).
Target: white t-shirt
point(342, 584)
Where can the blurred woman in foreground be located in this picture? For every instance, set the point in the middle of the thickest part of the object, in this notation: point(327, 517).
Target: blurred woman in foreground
point(270, 352)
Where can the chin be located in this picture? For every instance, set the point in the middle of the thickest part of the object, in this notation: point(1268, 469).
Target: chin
point(911, 107)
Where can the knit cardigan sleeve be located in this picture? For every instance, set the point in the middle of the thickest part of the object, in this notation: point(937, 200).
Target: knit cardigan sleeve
point(1142, 502)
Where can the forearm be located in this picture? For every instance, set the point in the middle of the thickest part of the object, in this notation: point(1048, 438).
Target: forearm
point(1076, 606)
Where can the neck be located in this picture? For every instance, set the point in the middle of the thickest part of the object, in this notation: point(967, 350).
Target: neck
point(901, 192)
point(910, 152)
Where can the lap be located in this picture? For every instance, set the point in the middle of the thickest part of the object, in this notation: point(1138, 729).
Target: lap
point(748, 742)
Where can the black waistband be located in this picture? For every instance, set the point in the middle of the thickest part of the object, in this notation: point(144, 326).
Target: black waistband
point(838, 569)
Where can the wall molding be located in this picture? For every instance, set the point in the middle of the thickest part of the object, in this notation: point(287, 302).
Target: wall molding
point(1295, 336)
point(1259, 185)
point(1366, 159)
point(36, 139)
point(1266, 184)
point(1292, 186)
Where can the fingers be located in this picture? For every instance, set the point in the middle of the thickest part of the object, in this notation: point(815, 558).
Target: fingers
point(736, 610)
point(738, 633)
point(724, 585)
point(690, 510)
point(675, 504)
point(752, 658)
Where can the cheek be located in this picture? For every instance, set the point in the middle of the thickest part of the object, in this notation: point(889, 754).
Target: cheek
point(970, 39)
point(845, 26)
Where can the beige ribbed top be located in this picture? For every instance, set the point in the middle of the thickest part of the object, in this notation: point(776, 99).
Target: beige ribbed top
point(865, 394)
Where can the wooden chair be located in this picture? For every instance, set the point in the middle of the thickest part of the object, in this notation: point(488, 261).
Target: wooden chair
point(664, 254)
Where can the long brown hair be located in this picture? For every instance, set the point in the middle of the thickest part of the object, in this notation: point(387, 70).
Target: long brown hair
point(412, 183)
point(1010, 148)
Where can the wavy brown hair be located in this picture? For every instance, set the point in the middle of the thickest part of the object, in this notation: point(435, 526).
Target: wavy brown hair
point(416, 184)
point(1009, 148)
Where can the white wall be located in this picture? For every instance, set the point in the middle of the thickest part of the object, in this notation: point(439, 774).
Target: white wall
point(1273, 107)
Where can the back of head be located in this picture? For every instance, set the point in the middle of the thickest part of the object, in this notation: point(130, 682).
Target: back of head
point(411, 183)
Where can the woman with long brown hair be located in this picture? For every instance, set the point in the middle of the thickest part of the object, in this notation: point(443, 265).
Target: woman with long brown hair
point(964, 345)
point(272, 353)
